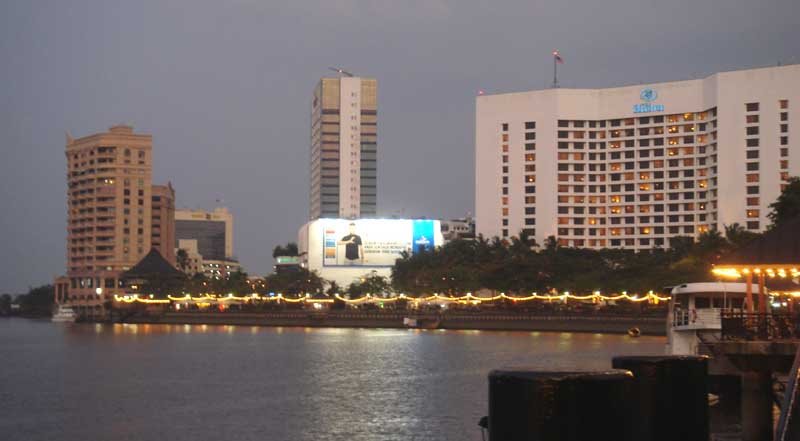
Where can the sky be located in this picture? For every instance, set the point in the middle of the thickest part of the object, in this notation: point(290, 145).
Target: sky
point(225, 90)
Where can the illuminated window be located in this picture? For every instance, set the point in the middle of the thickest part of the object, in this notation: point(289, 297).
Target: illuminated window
point(530, 157)
point(752, 177)
point(752, 213)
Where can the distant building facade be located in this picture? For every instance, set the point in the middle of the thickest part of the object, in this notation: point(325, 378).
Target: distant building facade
point(344, 119)
point(213, 231)
point(207, 237)
point(463, 228)
point(109, 214)
point(631, 167)
point(163, 221)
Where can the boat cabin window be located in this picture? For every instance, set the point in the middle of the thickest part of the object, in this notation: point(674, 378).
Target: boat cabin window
point(702, 302)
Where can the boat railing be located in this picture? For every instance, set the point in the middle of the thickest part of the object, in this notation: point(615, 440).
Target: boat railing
point(758, 326)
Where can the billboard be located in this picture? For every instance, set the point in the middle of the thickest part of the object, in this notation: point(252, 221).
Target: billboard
point(374, 242)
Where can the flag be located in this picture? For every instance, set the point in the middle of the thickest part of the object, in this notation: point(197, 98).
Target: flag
point(558, 58)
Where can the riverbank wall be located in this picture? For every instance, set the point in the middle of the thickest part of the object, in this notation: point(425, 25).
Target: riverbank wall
point(344, 319)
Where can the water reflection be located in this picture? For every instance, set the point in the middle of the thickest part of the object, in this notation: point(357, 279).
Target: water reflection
point(209, 382)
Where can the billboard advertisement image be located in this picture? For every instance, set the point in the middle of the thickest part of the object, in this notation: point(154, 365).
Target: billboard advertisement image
point(375, 242)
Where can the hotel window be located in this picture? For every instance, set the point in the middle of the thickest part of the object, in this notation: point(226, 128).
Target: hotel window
point(505, 127)
point(784, 116)
point(752, 177)
point(752, 119)
point(751, 107)
point(530, 125)
point(752, 154)
point(563, 123)
point(752, 130)
point(753, 225)
point(530, 189)
point(530, 199)
point(784, 152)
point(530, 157)
point(530, 136)
point(784, 128)
point(784, 140)
point(563, 134)
point(752, 142)
point(784, 104)
point(784, 163)
point(752, 189)
point(530, 146)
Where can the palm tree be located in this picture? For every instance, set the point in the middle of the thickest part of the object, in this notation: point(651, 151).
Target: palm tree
point(182, 258)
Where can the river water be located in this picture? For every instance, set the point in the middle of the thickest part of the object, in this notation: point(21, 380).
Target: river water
point(175, 382)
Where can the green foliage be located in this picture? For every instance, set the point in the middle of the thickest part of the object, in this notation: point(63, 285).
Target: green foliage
point(5, 304)
point(289, 250)
point(182, 259)
point(369, 284)
point(295, 282)
point(787, 206)
point(515, 266)
point(37, 302)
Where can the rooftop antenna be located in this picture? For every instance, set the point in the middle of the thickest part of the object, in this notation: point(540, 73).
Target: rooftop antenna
point(341, 71)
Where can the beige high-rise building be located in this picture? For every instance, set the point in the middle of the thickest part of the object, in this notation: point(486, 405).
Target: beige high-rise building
point(163, 221)
point(109, 214)
point(344, 118)
point(633, 166)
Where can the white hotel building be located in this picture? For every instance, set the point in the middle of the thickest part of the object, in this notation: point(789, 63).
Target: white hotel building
point(630, 167)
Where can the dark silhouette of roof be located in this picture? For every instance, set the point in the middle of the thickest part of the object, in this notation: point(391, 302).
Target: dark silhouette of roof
point(779, 246)
point(152, 264)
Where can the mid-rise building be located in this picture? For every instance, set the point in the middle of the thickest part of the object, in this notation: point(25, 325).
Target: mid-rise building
point(455, 229)
point(213, 231)
point(163, 221)
point(344, 118)
point(631, 167)
point(207, 237)
point(109, 210)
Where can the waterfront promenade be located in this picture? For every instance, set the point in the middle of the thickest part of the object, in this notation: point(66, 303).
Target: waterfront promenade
point(495, 320)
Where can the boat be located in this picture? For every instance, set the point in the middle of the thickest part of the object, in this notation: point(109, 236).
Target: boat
point(634, 332)
point(421, 322)
point(695, 314)
point(64, 314)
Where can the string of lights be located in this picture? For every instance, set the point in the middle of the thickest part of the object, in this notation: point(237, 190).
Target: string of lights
point(369, 298)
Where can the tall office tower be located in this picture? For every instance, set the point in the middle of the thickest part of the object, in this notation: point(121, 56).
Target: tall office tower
point(631, 167)
point(108, 213)
point(163, 221)
point(344, 117)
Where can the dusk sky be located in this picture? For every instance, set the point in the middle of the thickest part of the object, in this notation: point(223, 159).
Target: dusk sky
point(225, 87)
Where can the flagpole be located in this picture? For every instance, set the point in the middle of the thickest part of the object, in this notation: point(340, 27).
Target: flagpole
point(555, 69)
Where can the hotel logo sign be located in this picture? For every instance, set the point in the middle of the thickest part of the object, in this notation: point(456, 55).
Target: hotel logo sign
point(648, 96)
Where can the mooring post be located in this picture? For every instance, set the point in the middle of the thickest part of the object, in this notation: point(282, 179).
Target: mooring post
point(671, 395)
point(756, 405)
point(529, 405)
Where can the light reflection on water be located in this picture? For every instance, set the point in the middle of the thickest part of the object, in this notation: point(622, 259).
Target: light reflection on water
point(206, 382)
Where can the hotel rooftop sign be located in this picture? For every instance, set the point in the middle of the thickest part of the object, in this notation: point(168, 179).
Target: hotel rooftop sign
point(648, 96)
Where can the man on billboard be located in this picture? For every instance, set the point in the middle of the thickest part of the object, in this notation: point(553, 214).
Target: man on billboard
point(353, 248)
